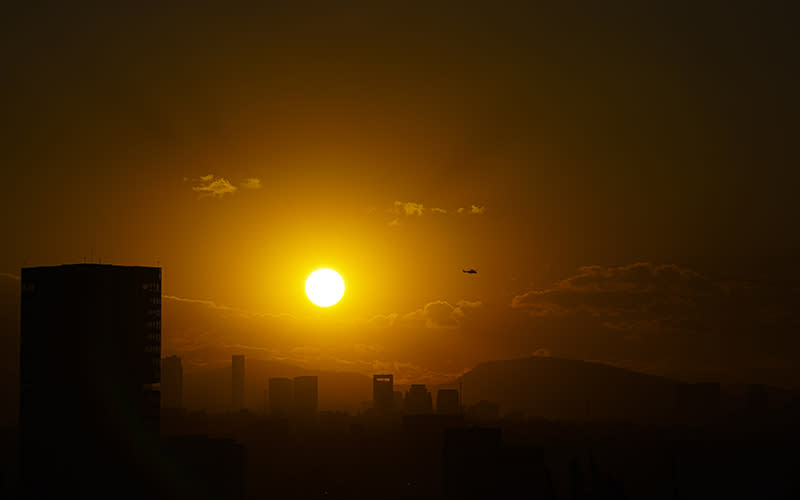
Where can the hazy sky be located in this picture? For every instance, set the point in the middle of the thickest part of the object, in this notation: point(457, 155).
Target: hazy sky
point(398, 144)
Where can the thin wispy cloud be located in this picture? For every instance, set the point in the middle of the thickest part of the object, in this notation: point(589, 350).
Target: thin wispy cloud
point(473, 210)
point(438, 314)
point(221, 307)
point(214, 187)
point(401, 209)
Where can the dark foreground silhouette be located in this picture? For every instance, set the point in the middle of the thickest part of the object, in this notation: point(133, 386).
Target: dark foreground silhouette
point(334, 455)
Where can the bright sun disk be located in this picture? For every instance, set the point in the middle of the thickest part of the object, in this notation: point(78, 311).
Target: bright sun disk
point(324, 287)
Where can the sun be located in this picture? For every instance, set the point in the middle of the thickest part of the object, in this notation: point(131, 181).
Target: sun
point(324, 287)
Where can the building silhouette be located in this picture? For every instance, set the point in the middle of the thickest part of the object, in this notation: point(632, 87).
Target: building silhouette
point(398, 399)
point(204, 467)
point(757, 398)
point(280, 395)
point(383, 393)
point(172, 382)
point(237, 381)
point(698, 402)
point(90, 365)
point(447, 402)
point(418, 400)
point(470, 462)
point(305, 395)
point(484, 410)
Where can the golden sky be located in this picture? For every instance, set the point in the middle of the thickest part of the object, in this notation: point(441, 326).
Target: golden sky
point(242, 149)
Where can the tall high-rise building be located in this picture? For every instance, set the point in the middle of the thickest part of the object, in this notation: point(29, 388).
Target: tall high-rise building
point(447, 402)
point(172, 382)
point(237, 381)
point(280, 395)
point(90, 365)
point(418, 400)
point(383, 393)
point(305, 395)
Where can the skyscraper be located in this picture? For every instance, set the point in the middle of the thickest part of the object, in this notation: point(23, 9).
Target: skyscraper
point(280, 396)
point(447, 402)
point(172, 382)
point(418, 400)
point(90, 365)
point(383, 393)
point(305, 395)
point(237, 381)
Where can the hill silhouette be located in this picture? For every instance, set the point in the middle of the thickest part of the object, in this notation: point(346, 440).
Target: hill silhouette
point(569, 389)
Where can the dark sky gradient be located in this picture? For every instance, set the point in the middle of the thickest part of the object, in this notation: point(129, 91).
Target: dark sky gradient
point(595, 134)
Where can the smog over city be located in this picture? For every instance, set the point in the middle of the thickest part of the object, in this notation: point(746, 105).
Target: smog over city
point(400, 250)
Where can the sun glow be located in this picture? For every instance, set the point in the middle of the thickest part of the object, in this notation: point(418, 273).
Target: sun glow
point(324, 287)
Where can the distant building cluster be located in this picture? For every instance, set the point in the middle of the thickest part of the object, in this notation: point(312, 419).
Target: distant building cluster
point(416, 401)
point(292, 397)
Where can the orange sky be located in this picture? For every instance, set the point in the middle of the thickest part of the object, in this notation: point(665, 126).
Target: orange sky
point(240, 150)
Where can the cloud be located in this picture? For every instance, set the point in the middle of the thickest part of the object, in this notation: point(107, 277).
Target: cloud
point(380, 320)
point(408, 208)
point(368, 348)
point(646, 298)
point(441, 314)
point(208, 303)
point(436, 314)
point(220, 307)
point(251, 183)
point(215, 187)
point(688, 323)
point(412, 208)
point(477, 210)
point(622, 295)
point(473, 210)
